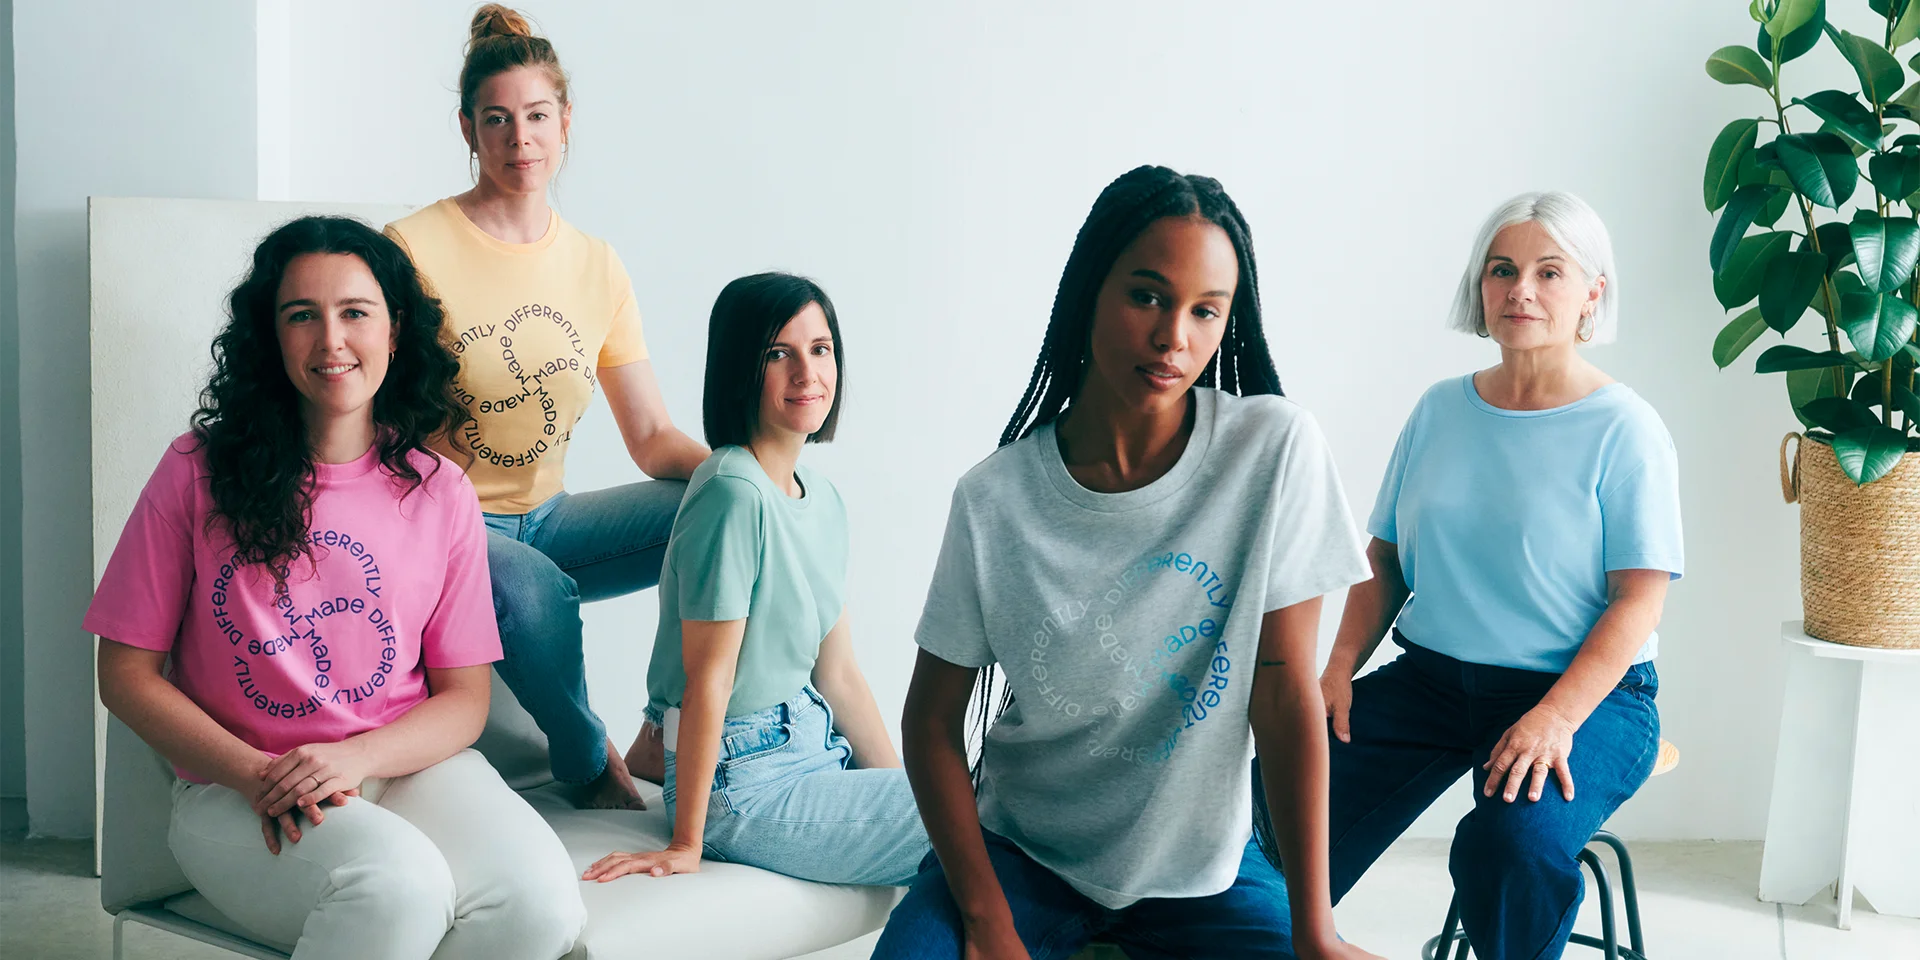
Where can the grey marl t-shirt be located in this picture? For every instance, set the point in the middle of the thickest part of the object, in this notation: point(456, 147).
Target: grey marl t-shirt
point(1128, 625)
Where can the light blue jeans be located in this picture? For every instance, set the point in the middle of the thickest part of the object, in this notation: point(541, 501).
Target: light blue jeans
point(573, 548)
point(785, 800)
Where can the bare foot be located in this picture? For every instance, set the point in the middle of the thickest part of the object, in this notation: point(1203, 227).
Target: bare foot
point(647, 758)
point(613, 789)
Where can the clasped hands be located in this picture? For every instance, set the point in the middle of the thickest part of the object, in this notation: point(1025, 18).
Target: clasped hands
point(301, 782)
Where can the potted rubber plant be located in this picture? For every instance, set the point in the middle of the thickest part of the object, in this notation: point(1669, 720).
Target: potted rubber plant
point(1815, 247)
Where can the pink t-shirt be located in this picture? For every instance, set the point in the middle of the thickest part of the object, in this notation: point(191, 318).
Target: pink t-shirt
point(401, 585)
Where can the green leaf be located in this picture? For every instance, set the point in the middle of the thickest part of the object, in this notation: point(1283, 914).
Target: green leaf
point(1790, 284)
point(1770, 214)
point(1907, 28)
point(1867, 388)
point(1867, 453)
point(1732, 65)
point(1798, 42)
point(1845, 115)
point(1836, 242)
point(1786, 357)
point(1811, 384)
point(1790, 16)
point(1844, 282)
point(1880, 74)
point(1877, 324)
point(1733, 145)
point(1885, 248)
point(1734, 221)
point(1867, 391)
point(1895, 175)
point(1820, 165)
point(1736, 337)
point(1740, 282)
point(1839, 414)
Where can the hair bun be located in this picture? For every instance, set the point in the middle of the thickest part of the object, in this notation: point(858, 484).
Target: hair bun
point(497, 20)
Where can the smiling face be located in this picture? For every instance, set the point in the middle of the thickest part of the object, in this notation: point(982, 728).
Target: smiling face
point(1161, 313)
point(336, 335)
point(1534, 294)
point(518, 128)
point(801, 375)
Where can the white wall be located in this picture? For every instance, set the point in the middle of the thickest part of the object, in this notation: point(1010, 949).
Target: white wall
point(930, 165)
point(111, 99)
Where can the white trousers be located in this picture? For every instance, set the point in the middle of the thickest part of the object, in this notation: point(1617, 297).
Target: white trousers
point(447, 863)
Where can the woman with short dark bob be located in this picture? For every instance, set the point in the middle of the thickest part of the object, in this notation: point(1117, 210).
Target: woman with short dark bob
point(297, 616)
point(1523, 540)
point(776, 754)
point(1143, 560)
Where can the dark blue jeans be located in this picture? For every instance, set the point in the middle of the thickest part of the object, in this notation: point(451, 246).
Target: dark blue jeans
point(573, 548)
point(1249, 919)
point(1420, 722)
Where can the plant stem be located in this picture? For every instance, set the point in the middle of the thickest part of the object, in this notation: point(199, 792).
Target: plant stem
point(1813, 236)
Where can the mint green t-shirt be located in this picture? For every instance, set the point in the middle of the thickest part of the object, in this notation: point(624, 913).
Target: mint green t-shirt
point(743, 549)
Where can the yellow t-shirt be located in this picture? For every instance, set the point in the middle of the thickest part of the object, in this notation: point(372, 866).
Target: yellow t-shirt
point(530, 323)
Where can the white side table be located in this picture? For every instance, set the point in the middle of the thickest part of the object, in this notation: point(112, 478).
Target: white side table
point(1846, 781)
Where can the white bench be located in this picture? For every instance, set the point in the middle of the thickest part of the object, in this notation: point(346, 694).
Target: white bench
point(724, 911)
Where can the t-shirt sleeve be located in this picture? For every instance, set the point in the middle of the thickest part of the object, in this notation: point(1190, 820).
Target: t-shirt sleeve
point(1316, 549)
point(462, 632)
point(952, 625)
point(392, 231)
point(716, 548)
point(144, 592)
point(624, 343)
point(1640, 515)
point(1384, 522)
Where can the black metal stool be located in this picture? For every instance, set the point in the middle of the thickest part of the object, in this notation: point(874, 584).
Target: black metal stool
point(1608, 943)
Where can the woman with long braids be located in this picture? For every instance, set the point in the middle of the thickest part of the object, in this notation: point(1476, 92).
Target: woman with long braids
point(1151, 482)
point(297, 617)
point(540, 313)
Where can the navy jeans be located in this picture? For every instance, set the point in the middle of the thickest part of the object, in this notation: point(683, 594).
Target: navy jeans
point(1249, 919)
point(573, 548)
point(1420, 722)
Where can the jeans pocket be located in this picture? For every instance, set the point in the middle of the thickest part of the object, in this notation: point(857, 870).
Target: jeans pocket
point(1641, 680)
point(754, 743)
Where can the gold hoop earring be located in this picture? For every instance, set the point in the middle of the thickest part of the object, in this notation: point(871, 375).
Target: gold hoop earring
point(1585, 333)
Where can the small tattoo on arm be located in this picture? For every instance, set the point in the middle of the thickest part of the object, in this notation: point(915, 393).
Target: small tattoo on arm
point(1271, 663)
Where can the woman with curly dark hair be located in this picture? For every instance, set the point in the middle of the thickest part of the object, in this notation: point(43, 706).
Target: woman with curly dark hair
point(298, 617)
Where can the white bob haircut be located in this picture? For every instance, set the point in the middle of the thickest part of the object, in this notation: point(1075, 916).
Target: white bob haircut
point(1574, 226)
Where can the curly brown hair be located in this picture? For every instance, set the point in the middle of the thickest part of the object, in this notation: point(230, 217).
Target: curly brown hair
point(249, 424)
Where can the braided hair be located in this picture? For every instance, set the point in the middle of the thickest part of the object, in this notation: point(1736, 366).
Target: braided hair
point(1243, 365)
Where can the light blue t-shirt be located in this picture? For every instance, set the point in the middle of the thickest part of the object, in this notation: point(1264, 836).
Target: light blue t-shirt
point(1508, 521)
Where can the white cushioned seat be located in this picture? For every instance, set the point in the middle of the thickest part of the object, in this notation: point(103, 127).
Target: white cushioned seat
point(724, 911)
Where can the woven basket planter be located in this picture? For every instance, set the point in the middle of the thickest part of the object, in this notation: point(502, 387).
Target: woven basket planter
point(1859, 547)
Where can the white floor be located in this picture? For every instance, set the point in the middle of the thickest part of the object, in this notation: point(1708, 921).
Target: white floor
point(1697, 900)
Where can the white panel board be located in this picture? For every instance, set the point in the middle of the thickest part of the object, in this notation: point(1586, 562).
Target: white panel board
point(160, 271)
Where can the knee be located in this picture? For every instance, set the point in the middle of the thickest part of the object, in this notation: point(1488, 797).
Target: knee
point(531, 914)
point(1509, 843)
point(919, 928)
point(413, 889)
point(529, 590)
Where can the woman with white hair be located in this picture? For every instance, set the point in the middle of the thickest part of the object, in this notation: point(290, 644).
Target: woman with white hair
point(1523, 540)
